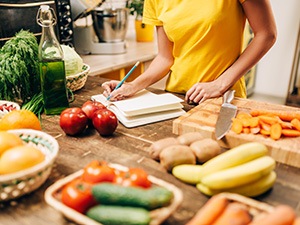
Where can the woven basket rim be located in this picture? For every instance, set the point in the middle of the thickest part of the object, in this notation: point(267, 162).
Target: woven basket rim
point(39, 167)
point(83, 72)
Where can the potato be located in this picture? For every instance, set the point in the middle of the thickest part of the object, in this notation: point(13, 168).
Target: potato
point(158, 146)
point(188, 138)
point(176, 155)
point(205, 149)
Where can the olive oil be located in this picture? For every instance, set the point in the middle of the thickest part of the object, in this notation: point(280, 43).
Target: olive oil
point(53, 82)
point(51, 64)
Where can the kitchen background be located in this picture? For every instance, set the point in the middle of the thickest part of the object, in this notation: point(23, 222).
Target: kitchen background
point(273, 72)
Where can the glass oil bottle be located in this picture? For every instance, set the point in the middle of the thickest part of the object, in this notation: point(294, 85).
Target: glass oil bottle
point(51, 64)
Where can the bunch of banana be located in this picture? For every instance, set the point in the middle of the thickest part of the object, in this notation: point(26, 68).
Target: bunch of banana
point(245, 169)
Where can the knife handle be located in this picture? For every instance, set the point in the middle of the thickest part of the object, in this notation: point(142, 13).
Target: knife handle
point(228, 96)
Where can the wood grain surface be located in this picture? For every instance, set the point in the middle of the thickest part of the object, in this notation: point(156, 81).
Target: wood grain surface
point(203, 118)
point(128, 147)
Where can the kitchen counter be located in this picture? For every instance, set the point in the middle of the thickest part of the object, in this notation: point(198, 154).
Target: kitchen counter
point(127, 147)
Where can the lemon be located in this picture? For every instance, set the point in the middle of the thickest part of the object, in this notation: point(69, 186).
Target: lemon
point(19, 158)
point(8, 140)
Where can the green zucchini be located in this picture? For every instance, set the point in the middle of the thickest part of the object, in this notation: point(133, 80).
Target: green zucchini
point(150, 198)
point(117, 215)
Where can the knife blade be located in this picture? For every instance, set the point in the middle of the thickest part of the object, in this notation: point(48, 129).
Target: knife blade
point(227, 112)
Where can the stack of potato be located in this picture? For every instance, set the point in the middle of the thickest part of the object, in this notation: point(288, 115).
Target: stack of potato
point(188, 148)
point(246, 169)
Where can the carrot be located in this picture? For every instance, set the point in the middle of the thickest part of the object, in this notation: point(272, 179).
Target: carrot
point(242, 115)
point(235, 213)
point(275, 131)
point(254, 121)
point(284, 115)
point(246, 122)
point(237, 126)
point(255, 130)
point(264, 132)
point(286, 125)
point(212, 209)
point(296, 123)
point(282, 215)
point(264, 126)
point(290, 133)
point(268, 119)
point(246, 130)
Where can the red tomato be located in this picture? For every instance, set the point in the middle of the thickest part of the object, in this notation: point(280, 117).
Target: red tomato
point(90, 107)
point(97, 171)
point(73, 121)
point(78, 195)
point(105, 122)
point(133, 177)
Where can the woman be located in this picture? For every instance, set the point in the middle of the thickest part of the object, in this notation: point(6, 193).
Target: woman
point(200, 46)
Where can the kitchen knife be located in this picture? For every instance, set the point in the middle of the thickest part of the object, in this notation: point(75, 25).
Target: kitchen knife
point(227, 112)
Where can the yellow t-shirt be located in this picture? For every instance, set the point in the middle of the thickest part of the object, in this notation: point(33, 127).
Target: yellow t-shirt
point(207, 37)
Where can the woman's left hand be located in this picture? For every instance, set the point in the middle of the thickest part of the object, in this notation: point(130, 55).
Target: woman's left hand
point(202, 91)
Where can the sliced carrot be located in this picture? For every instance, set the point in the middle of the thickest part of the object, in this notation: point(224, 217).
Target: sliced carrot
point(246, 130)
point(246, 122)
point(264, 126)
point(290, 133)
point(265, 132)
point(212, 209)
point(285, 115)
point(296, 123)
point(286, 125)
point(242, 115)
point(235, 213)
point(237, 126)
point(254, 121)
point(282, 215)
point(268, 119)
point(275, 131)
point(254, 130)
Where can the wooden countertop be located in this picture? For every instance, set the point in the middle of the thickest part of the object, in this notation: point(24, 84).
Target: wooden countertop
point(136, 51)
point(129, 148)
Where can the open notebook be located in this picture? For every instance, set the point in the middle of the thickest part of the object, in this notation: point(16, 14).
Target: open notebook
point(144, 107)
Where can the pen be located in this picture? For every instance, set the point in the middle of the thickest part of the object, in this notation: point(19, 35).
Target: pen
point(125, 78)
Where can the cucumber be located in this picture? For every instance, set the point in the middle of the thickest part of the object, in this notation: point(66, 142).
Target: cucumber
point(116, 215)
point(150, 198)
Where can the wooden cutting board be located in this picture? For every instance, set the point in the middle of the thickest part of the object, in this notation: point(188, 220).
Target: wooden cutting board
point(202, 118)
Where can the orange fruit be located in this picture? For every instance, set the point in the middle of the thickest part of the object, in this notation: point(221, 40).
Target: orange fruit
point(21, 157)
point(8, 140)
point(20, 119)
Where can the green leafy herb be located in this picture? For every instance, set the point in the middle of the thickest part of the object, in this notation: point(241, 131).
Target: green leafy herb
point(35, 105)
point(19, 76)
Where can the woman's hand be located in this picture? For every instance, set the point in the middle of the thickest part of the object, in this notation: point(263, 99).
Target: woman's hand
point(126, 90)
point(202, 91)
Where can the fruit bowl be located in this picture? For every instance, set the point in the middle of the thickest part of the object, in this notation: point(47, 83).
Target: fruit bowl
point(77, 81)
point(16, 184)
point(7, 106)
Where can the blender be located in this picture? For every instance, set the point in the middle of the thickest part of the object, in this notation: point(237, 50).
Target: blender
point(99, 28)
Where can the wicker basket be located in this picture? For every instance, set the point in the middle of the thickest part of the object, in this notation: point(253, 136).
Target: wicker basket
point(53, 198)
point(19, 183)
point(4, 110)
point(77, 81)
